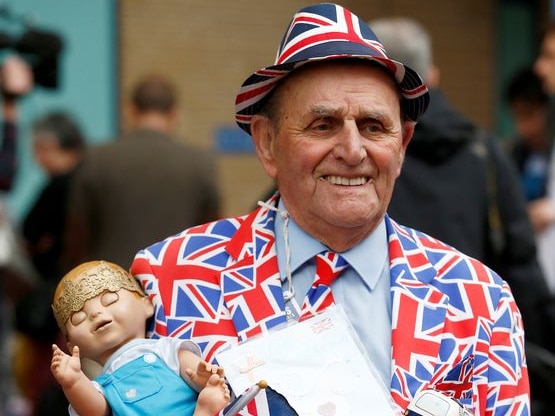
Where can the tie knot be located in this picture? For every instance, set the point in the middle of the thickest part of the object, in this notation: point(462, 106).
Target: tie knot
point(329, 266)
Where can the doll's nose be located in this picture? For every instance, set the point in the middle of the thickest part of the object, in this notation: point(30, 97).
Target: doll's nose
point(94, 309)
point(96, 312)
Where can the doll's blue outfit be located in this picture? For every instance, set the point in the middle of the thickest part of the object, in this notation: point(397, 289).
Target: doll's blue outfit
point(142, 378)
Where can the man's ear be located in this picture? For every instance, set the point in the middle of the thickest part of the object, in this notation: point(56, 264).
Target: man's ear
point(263, 136)
point(408, 131)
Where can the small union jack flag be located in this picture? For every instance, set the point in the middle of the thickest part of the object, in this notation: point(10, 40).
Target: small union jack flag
point(259, 400)
point(326, 31)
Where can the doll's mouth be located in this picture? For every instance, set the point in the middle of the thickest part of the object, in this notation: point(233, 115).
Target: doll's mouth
point(102, 326)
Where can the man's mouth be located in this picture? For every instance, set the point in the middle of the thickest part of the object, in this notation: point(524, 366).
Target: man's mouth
point(344, 181)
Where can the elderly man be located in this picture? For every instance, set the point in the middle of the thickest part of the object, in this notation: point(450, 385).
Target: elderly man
point(331, 121)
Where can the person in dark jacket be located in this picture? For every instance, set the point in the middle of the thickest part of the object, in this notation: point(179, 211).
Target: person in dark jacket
point(16, 80)
point(58, 146)
point(148, 176)
point(542, 211)
point(458, 185)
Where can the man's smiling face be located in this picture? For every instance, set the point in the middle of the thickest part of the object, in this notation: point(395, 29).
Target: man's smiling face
point(337, 146)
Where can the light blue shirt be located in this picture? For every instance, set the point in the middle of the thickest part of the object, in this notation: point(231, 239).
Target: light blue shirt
point(363, 290)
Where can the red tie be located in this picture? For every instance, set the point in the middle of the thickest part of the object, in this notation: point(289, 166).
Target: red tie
point(329, 266)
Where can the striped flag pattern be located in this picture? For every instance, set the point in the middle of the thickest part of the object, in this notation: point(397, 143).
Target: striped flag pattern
point(251, 403)
point(329, 266)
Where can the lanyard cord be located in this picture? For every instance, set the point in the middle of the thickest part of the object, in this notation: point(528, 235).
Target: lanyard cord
point(290, 292)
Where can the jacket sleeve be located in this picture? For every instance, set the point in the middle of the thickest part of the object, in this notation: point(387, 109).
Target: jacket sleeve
point(142, 270)
point(507, 387)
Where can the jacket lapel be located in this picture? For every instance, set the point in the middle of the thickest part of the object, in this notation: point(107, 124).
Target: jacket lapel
point(251, 284)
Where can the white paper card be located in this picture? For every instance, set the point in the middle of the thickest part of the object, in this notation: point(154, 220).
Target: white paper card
point(316, 364)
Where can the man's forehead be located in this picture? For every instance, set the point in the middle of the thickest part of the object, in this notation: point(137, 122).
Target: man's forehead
point(377, 110)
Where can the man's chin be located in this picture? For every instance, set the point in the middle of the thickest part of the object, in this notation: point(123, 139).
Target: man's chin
point(344, 215)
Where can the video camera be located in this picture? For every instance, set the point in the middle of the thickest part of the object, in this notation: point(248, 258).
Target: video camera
point(41, 49)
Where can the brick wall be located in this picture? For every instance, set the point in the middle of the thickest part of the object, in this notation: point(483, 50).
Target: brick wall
point(210, 46)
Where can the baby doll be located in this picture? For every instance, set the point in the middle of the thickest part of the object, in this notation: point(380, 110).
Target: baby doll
point(102, 312)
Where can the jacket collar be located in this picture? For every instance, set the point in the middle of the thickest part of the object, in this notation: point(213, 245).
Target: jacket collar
point(251, 285)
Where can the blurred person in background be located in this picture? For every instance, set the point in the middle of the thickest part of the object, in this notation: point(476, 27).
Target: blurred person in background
point(141, 186)
point(458, 185)
point(16, 80)
point(58, 145)
point(16, 274)
point(529, 148)
point(543, 210)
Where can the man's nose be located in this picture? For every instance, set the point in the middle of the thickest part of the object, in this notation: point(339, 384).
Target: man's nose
point(350, 145)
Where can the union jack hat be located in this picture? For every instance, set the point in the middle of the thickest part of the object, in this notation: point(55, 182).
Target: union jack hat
point(327, 31)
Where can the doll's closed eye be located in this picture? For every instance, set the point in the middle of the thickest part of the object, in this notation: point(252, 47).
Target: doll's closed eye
point(107, 298)
point(78, 317)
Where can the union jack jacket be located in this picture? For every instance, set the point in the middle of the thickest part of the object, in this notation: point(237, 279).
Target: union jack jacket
point(455, 325)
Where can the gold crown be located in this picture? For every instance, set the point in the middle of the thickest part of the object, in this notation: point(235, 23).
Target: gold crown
point(73, 292)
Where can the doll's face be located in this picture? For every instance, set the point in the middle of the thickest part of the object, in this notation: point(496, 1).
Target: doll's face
point(108, 321)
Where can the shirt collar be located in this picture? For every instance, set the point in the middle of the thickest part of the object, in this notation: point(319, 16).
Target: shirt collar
point(304, 247)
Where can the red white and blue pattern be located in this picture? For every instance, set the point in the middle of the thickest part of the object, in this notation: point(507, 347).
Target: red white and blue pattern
point(257, 402)
point(329, 266)
point(327, 31)
point(455, 324)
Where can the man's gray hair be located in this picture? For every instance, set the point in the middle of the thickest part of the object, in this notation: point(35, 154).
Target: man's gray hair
point(406, 41)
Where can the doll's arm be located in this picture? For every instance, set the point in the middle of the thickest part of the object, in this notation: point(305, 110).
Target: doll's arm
point(79, 390)
point(196, 371)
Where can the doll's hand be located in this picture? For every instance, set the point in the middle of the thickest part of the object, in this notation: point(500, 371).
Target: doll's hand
point(203, 372)
point(65, 368)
